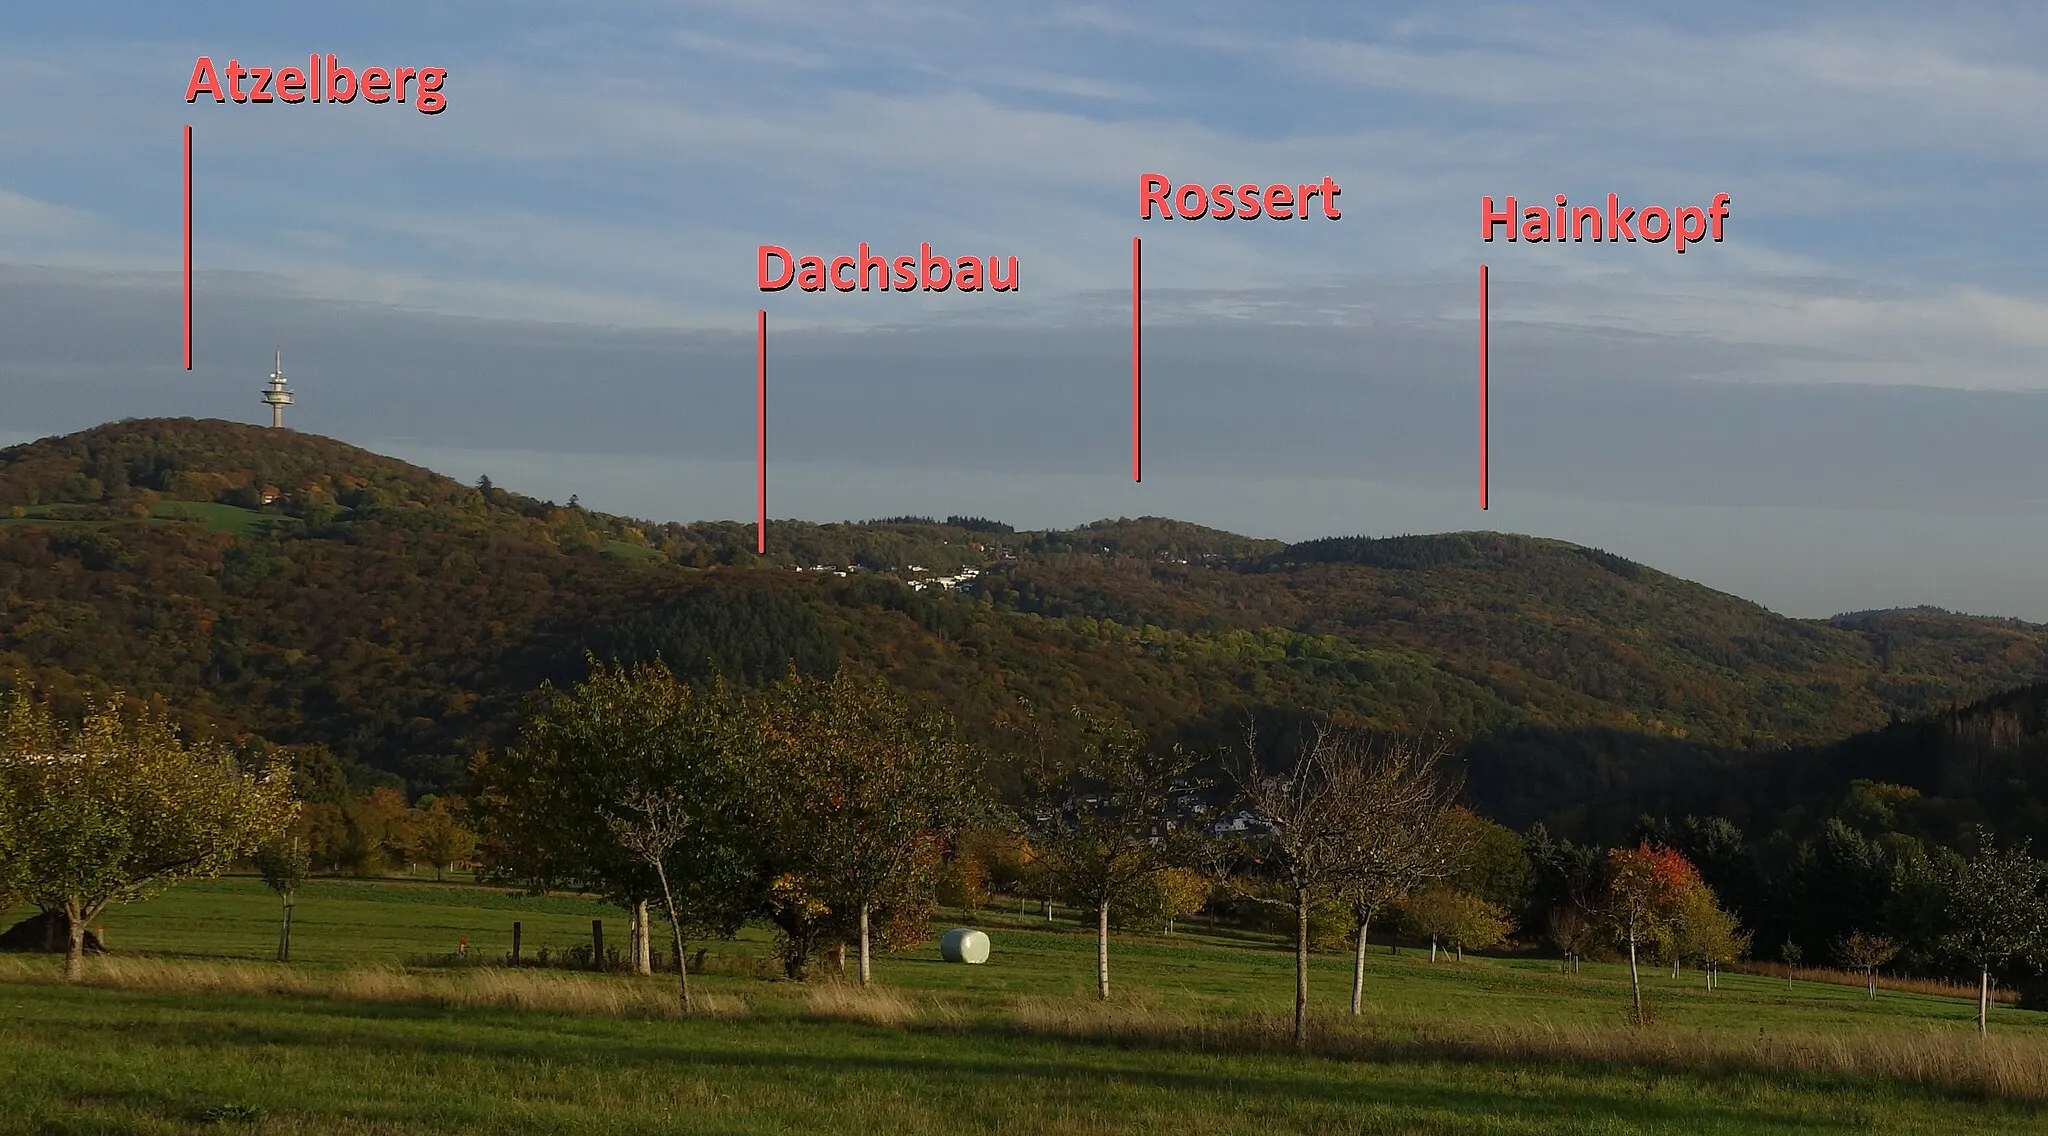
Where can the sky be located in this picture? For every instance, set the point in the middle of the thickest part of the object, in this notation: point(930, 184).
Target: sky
point(1838, 407)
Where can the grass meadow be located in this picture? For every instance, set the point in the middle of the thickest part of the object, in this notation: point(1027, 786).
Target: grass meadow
point(188, 1026)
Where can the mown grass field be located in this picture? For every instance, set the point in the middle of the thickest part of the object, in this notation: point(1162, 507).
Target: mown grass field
point(1192, 1043)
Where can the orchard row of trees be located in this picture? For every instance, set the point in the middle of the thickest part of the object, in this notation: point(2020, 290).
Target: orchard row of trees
point(378, 831)
point(840, 811)
point(832, 808)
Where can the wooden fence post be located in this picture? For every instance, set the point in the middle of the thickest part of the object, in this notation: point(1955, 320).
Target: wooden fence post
point(515, 942)
point(597, 944)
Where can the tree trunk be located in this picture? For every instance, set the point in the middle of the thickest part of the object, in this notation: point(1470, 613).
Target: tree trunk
point(1984, 1000)
point(1635, 980)
point(74, 951)
point(1674, 969)
point(1048, 909)
point(682, 966)
point(635, 934)
point(1102, 951)
point(1870, 976)
point(1358, 968)
point(675, 923)
point(284, 933)
point(1300, 967)
point(1432, 948)
point(643, 940)
point(867, 966)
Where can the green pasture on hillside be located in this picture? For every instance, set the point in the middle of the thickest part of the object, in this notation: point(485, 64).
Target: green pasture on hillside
point(230, 519)
point(90, 1059)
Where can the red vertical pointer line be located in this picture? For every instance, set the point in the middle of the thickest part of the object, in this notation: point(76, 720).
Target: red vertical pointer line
point(1485, 360)
point(188, 246)
point(1137, 359)
point(761, 432)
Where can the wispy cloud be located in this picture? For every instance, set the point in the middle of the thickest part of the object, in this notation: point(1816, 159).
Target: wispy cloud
point(26, 217)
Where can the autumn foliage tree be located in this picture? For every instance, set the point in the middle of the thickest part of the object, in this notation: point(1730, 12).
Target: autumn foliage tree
point(1179, 894)
point(1699, 928)
point(1454, 919)
point(1866, 951)
point(12, 861)
point(434, 834)
point(1645, 887)
point(865, 792)
point(120, 806)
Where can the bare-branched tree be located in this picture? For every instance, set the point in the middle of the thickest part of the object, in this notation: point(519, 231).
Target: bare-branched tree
point(1405, 841)
point(652, 825)
point(1348, 820)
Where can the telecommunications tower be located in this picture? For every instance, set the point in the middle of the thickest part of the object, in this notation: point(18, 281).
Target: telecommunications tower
point(276, 395)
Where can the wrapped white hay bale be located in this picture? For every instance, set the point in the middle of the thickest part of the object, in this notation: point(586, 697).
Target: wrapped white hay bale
point(964, 944)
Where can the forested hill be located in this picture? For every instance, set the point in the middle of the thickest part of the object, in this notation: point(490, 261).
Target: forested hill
point(293, 587)
point(1937, 778)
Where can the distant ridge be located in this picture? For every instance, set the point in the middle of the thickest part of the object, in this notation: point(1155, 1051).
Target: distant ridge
point(284, 585)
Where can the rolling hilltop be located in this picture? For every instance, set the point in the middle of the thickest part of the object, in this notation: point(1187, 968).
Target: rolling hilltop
point(294, 587)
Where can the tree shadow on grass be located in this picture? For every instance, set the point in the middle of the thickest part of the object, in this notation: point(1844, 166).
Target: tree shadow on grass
point(1035, 1066)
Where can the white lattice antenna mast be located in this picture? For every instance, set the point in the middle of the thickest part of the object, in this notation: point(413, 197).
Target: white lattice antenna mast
point(276, 394)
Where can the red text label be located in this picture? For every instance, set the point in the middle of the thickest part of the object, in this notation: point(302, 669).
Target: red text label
point(322, 80)
point(776, 269)
point(1684, 225)
point(1193, 201)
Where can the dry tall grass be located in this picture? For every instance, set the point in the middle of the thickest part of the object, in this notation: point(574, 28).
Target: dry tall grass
point(1950, 1059)
point(844, 1002)
point(1934, 987)
point(473, 988)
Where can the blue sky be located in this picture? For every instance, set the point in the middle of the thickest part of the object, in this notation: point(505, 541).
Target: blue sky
point(554, 277)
